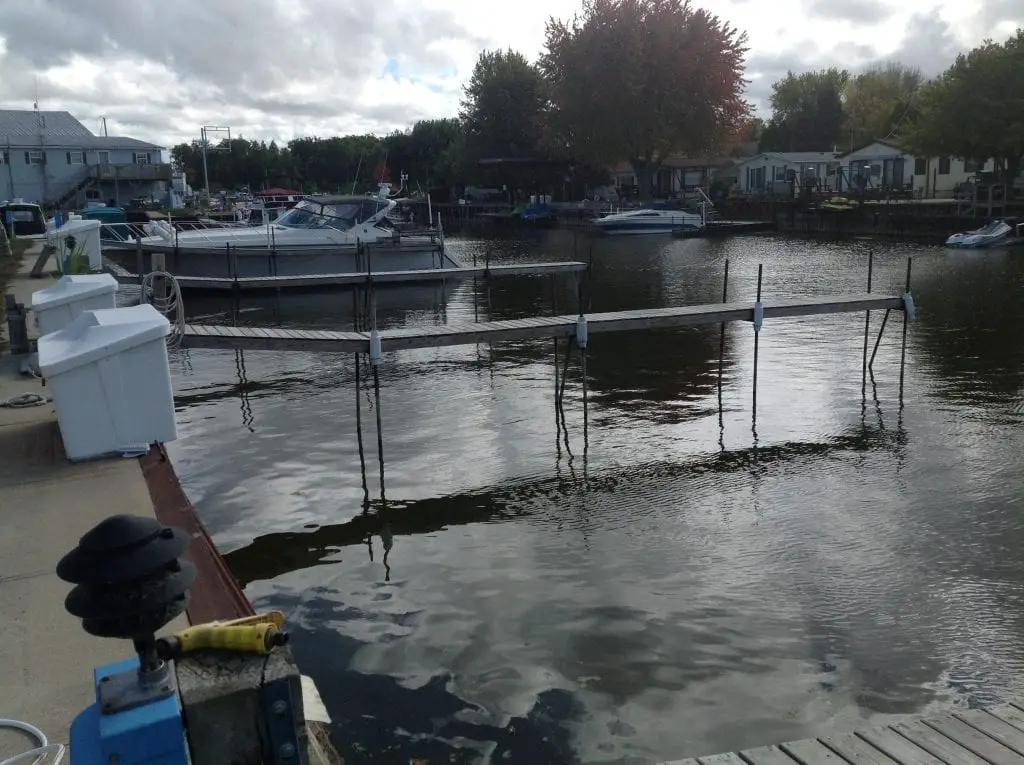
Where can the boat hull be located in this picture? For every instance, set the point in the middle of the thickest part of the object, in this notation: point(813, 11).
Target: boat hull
point(637, 229)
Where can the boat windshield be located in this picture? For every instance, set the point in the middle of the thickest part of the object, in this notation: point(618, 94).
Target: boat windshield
point(340, 216)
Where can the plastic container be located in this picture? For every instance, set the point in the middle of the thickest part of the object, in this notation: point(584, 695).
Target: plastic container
point(57, 306)
point(79, 240)
point(111, 382)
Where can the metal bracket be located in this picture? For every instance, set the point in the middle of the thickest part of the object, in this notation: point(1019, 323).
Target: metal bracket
point(282, 728)
point(908, 306)
point(758, 316)
point(581, 331)
point(120, 691)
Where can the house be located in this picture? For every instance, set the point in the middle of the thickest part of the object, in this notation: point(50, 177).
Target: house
point(50, 157)
point(886, 165)
point(775, 173)
point(677, 174)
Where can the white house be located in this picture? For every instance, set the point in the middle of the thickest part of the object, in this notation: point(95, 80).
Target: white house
point(774, 173)
point(885, 164)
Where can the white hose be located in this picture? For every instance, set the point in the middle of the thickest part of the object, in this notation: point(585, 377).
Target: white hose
point(41, 752)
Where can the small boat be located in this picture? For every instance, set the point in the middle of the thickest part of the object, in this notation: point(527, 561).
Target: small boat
point(650, 221)
point(837, 204)
point(993, 233)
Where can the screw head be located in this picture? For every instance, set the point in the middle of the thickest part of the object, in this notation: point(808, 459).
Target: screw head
point(287, 751)
point(279, 707)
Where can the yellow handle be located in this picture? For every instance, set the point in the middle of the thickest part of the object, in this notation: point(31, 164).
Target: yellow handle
point(269, 617)
point(250, 638)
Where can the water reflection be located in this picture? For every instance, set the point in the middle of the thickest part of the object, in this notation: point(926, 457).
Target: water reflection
point(641, 578)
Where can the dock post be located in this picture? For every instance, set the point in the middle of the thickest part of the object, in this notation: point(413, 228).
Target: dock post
point(375, 353)
point(359, 434)
point(140, 263)
point(885, 320)
point(867, 326)
point(721, 341)
point(758, 317)
point(907, 309)
point(581, 341)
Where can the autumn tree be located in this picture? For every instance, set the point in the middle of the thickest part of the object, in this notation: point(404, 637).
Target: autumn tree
point(878, 102)
point(975, 109)
point(807, 111)
point(502, 106)
point(641, 79)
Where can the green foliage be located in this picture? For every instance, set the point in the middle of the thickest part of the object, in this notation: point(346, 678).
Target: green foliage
point(807, 111)
point(878, 102)
point(641, 79)
point(975, 109)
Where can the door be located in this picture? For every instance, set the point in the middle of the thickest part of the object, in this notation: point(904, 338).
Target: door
point(897, 174)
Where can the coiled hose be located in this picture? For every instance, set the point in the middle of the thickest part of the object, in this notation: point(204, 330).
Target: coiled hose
point(39, 754)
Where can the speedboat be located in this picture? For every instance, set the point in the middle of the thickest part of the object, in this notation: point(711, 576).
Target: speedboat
point(650, 221)
point(990, 234)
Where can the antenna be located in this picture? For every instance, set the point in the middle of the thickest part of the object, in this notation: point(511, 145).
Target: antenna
point(104, 121)
point(35, 105)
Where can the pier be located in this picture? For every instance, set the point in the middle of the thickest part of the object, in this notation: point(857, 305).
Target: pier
point(966, 737)
point(265, 338)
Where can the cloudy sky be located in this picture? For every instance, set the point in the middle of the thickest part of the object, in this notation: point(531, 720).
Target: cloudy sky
point(284, 68)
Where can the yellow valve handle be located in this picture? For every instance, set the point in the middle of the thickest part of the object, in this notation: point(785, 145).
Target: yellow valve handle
point(269, 617)
point(248, 638)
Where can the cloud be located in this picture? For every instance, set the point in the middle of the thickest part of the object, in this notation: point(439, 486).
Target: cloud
point(854, 11)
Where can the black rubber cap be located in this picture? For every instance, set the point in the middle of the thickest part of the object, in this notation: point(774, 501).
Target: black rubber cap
point(122, 548)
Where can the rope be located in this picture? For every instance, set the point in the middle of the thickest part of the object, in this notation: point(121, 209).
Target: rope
point(40, 753)
point(167, 300)
point(24, 401)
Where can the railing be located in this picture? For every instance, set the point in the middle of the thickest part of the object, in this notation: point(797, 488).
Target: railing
point(128, 172)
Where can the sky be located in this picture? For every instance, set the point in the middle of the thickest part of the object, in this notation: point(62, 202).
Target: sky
point(281, 69)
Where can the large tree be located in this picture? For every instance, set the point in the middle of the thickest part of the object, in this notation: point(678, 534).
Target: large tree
point(807, 111)
point(975, 109)
point(502, 106)
point(878, 102)
point(641, 79)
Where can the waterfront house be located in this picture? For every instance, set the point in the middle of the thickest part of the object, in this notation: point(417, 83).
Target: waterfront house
point(49, 157)
point(677, 175)
point(885, 165)
point(773, 173)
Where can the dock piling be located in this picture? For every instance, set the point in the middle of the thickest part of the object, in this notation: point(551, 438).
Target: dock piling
point(867, 326)
point(721, 341)
point(906, 320)
point(758, 317)
point(878, 340)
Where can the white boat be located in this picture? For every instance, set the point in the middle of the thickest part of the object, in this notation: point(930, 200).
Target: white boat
point(650, 221)
point(988, 235)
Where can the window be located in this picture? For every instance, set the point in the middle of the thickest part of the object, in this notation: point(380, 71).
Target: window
point(921, 166)
point(103, 157)
point(943, 165)
point(92, 194)
point(971, 166)
point(4, 158)
point(76, 157)
point(140, 158)
point(876, 170)
point(780, 173)
point(35, 158)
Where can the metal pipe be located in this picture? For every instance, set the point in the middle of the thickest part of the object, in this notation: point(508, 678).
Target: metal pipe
point(885, 320)
point(757, 337)
point(867, 325)
point(903, 350)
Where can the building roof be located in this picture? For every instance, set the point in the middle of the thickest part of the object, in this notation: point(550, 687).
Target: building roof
point(277, 191)
point(793, 157)
point(29, 128)
point(888, 143)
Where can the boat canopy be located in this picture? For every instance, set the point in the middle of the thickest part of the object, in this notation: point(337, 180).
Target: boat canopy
point(339, 213)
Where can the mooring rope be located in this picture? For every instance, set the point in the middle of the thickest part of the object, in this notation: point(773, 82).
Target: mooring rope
point(167, 301)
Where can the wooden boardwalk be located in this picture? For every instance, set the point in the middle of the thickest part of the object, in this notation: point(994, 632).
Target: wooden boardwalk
point(968, 737)
point(266, 338)
point(312, 281)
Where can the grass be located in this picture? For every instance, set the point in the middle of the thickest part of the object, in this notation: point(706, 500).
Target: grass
point(8, 268)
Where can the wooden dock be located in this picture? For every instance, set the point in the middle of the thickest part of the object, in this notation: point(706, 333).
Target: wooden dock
point(312, 281)
point(266, 338)
point(965, 737)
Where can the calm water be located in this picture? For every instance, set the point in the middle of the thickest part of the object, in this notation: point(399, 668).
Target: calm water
point(684, 584)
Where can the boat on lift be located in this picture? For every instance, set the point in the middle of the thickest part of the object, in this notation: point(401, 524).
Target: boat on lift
point(649, 220)
point(992, 234)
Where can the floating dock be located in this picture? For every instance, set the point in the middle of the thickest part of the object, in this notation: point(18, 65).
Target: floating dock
point(267, 338)
point(966, 737)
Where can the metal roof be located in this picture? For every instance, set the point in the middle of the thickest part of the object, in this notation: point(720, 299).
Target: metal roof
point(24, 127)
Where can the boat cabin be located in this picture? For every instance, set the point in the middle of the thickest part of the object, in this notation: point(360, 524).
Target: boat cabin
point(25, 219)
point(338, 212)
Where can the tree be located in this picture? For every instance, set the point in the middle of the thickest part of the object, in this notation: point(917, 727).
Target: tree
point(807, 111)
point(975, 109)
point(641, 79)
point(502, 106)
point(878, 101)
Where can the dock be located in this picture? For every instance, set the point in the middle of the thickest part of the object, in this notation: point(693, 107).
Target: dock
point(964, 737)
point(267, 338)
point(362, 278)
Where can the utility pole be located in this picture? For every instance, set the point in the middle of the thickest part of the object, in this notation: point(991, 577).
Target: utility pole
point(104, 126)
point(204, 133)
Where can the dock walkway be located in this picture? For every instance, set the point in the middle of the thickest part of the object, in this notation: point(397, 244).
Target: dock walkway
point(966, 737)
point(266, 338)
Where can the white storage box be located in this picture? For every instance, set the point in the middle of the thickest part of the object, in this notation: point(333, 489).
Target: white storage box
point(57, 306)
point(81, 238)
point(111, 381)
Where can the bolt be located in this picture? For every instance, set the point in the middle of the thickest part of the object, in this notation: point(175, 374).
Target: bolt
point(105, 679)
point(287, 751)
point(165, 688)
point(107, 706)
point(280, 707)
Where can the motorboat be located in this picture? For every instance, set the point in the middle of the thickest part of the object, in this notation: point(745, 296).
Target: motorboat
point(993, 233)
point(650, 221)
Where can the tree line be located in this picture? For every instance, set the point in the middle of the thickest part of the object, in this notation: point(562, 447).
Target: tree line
point(632, 80)
point(973, 110)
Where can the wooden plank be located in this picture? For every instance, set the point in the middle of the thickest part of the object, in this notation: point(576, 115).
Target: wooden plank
point(1010, 715)
point(1003, 732)
point(937, 744)
point(811, 752)
point(856, 750)
point(767, 755)
point(726, 758)
point(977, 742)
point(897, 747)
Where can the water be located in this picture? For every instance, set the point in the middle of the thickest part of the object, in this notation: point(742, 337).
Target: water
point(685, 584)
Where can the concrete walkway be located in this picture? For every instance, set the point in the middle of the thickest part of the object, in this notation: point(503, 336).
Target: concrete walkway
point(46, 505)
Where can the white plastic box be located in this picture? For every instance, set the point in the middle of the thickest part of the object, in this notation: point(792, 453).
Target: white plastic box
point(86, 234)
point(111, 381)
point(57, 306)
